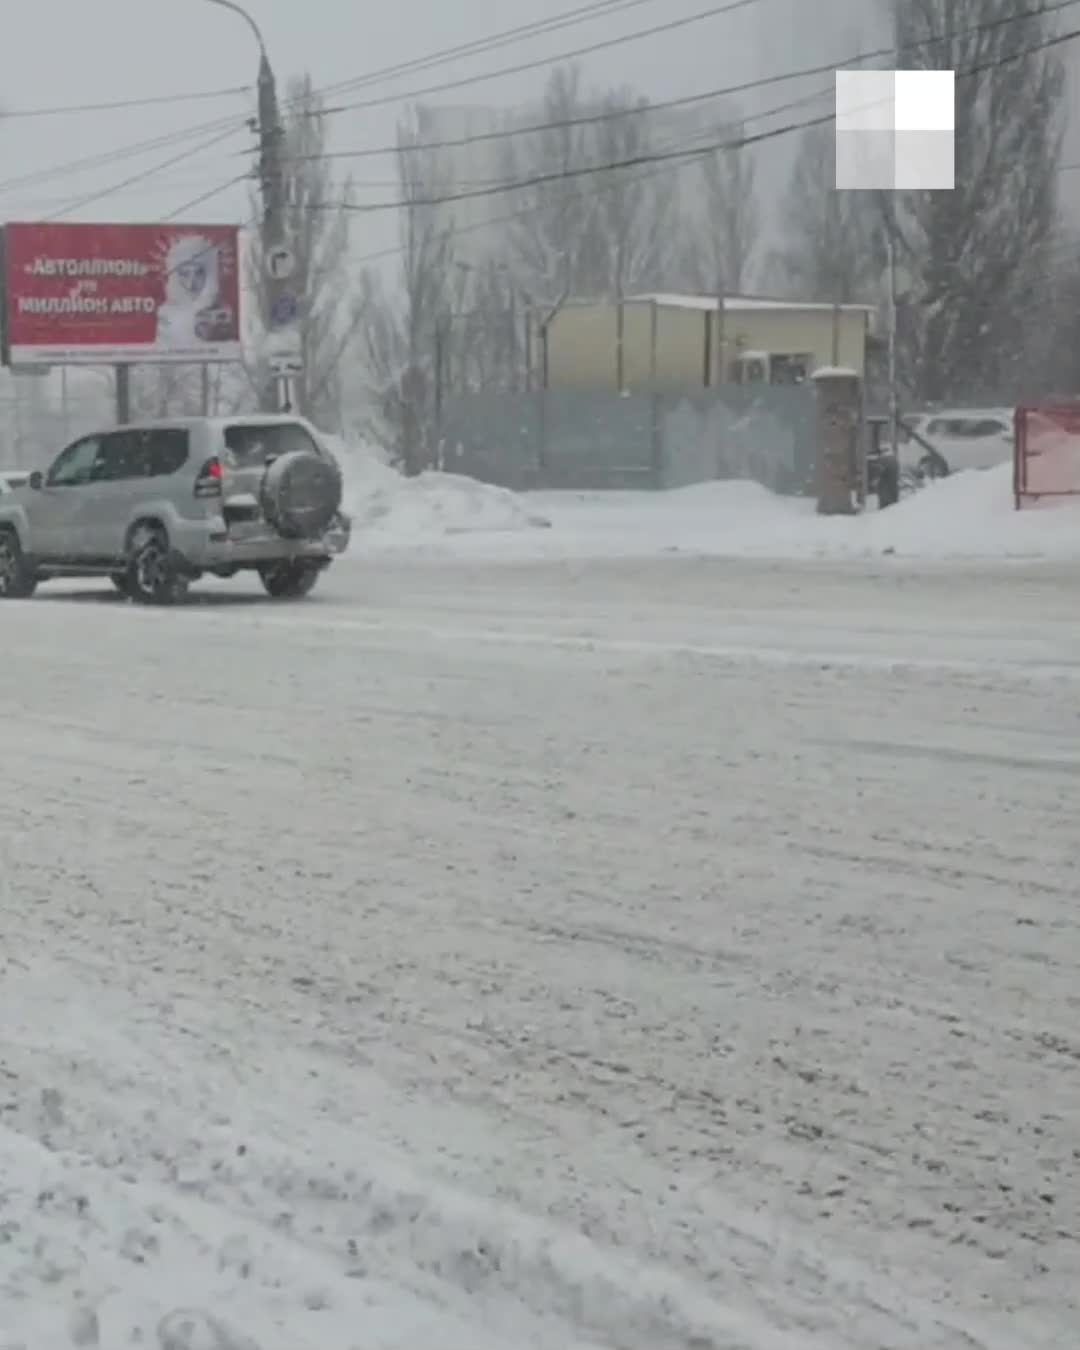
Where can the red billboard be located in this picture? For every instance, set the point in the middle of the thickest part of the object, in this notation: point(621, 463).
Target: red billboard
point(77, 294)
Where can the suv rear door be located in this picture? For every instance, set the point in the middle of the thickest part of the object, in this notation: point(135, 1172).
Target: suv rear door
point(249, 448)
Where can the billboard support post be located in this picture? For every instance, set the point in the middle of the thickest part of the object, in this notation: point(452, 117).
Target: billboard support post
point(123, 395)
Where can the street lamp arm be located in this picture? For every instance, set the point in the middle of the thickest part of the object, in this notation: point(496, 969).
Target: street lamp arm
point(239, 9)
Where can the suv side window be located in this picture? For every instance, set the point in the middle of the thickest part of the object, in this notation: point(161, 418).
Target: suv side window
point(115, 461)
point(164, 451)
point(74, 466)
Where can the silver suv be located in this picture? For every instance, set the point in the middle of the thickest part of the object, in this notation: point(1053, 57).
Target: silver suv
point(156, 505)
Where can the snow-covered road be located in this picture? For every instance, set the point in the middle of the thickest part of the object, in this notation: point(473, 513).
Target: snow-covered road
point(646, 954)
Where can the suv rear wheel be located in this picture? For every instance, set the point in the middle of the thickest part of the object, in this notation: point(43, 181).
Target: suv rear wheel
point(152, 574)
point(288, 580)
point(17, 580)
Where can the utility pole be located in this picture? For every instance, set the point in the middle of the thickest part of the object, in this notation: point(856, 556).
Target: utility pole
point(887, 206)
point(894, 393)
point(721, 332)
point(274, 232)
point(889, 201)
point(278, 260)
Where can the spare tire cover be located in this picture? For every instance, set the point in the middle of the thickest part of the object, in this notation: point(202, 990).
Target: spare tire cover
point(301, 494)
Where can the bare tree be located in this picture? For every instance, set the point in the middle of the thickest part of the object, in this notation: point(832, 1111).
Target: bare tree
point(601, 233)
point(548, 246)
point(318, 231)
point(720, 226)
point(401, 334)
point(631, 211)
point(832, 248)
point(484, 345)
point(971, 257)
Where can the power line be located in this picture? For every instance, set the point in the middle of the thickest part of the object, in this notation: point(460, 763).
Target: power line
point(207, 196)
point(600, 8)
point(524, 32)
point(169, 183)
point(109, 157)
point(679, 158)
point(498, 189)
point(590, 11)
point(583, 170)
point(687, 100)
point(538, 28)
point(513, 217)
point(631, 180)
point(116, 105)
point(480, 46)
point(501, 187)
point(605, 44)
point(80, 202)
point(636, 161)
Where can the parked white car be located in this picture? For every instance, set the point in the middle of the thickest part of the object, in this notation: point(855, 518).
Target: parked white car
point(10, 479)
point(971, 438)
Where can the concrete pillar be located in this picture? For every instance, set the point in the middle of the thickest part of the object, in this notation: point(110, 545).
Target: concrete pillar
point(837, 476)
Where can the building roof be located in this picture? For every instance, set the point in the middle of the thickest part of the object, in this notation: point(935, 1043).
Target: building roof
point(745, 303)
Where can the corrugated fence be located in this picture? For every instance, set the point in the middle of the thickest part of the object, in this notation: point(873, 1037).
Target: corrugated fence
point(591, 440)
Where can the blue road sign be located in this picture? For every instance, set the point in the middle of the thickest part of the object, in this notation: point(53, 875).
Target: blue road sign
point(284, 311)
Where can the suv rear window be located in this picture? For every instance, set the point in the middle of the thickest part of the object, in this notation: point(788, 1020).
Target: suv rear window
point(250, 445)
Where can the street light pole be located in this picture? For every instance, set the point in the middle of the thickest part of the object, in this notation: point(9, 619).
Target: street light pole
point(278, 396)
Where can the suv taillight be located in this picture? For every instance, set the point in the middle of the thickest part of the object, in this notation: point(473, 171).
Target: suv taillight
point(208, 483)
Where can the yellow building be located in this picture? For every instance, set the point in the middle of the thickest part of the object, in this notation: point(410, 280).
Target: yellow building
point(683, 342)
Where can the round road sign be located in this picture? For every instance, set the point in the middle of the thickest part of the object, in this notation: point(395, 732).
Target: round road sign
point(284, 311)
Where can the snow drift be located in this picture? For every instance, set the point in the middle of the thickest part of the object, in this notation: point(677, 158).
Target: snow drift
point(390, 510)
point(968, 516)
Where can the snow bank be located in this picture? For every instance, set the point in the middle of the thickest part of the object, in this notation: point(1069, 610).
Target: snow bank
point(391, 511)
point(967, 516)
point(972, 515)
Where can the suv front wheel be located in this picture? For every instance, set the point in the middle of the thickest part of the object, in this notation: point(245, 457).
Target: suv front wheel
point(152, 574)
point(17, 580)
point(288, 580)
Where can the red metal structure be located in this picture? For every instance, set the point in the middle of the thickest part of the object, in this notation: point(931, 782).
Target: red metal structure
point(1046, 452)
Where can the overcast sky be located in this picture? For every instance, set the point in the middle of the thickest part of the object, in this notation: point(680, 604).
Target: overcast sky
point(61, 52)
point(67, 53)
